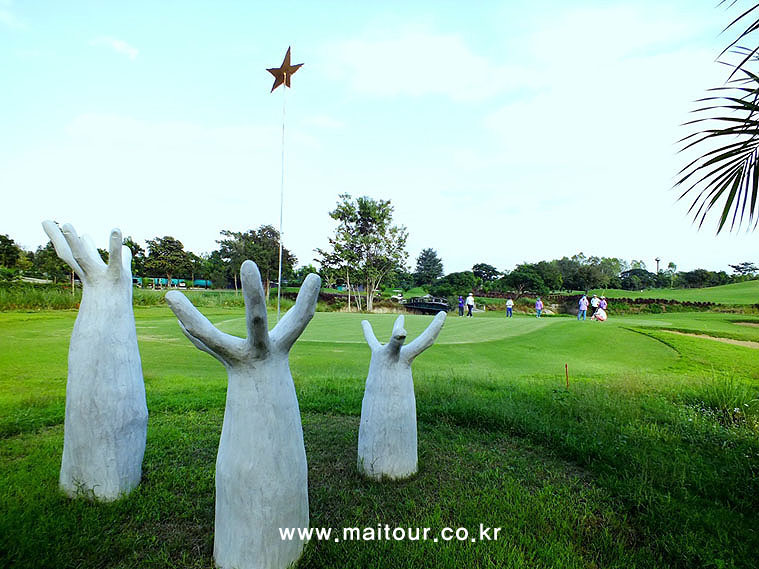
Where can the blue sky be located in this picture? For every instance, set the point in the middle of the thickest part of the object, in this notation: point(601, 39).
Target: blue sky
point(503, 132)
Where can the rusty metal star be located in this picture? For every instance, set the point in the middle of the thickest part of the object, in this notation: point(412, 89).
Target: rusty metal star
point(283, 73)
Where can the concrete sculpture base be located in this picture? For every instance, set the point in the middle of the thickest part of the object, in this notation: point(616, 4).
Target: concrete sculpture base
point(261, 472)
point(106, 415)
point(387, 446)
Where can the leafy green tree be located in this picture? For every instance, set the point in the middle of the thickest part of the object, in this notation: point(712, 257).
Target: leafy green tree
point(745, 268)
point(671, 272)
point(365, 242)
point(217, 270)
point(487, 273)
point(550, 274)
point(47, 263)
point(197, 267)
point(300, 274)
point(637, 278)
point(9, 252)
point(400, 278)
point(138, 256)
point(638, 264)
point(429, 267)
point(260, 246)
point(166, 256)
point(525, 278)
point(454, 284)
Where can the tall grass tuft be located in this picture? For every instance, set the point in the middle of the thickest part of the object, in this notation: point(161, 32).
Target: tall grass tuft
point(22, 296)
point(728, 400)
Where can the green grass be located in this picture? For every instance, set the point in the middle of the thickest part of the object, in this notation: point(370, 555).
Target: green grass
point(736, 293)
point(643, 462)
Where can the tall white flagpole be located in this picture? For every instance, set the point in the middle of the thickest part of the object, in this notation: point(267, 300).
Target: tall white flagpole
point(281, 200)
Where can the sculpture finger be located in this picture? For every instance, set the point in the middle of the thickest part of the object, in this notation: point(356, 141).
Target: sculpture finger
point(115, 263)
point(426, 338)
point(62, 248)
point(371, 339)
point(255, 307)
point(126, 260)
point(398, 336)
point(200, 345)
point(92, 251)
point(230, 348)
point(79, 249)
point(297, 318)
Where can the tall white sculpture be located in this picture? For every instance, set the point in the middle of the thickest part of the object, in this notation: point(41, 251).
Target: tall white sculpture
point(261, 472)
point(387, 433)
point(106, 415)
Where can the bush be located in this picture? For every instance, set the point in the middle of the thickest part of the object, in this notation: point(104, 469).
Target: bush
point(25, 296)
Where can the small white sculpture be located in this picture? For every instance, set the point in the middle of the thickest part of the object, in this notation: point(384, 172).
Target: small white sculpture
point(387, 433)
point(106, 415)
point(261, 472)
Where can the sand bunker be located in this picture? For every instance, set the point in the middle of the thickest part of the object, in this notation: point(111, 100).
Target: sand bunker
point(746, 343)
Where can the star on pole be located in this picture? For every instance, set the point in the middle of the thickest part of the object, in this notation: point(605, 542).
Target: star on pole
point(283, 73)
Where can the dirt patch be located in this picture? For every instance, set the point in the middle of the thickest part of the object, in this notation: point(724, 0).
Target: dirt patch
point(752, 324)
point(746, 343)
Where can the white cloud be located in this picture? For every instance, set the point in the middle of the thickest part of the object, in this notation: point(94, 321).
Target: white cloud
point(324, 121)
point(117, 45)
point(8, 18)
point(415, 62)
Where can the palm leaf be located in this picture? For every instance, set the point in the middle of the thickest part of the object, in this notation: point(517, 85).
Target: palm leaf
point(726, 173)
point(751, 27)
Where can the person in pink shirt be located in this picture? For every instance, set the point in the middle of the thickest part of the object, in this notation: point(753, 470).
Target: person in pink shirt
point(538, 307)
point(582, 308)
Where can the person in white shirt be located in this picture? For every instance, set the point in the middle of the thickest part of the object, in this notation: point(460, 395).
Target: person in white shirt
point(469, 304)
point(594, 304)
point(509, 308)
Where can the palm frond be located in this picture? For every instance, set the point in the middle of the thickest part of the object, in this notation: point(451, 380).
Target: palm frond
point(753, 26)
point(726, 172)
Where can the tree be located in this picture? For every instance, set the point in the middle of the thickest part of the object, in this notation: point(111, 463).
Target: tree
point(166, 256)
point(671, 271)
point(637, 279)
point(197, 266)
point(487, 273)
point(301, 273)
point(745, 268)
point(259, 245)
point(9, 252)
point(636, 264)
point(47, 263)
point(726, 169)
point(525, 278)
point(429, 267)
point(549, 273)
point(400, 278)
point(138, 256)
point(216, 269)
point(454, 284)
point(365, 242)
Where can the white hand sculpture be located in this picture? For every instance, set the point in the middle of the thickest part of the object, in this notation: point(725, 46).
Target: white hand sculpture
point(387, 433)
point(106, 414)
point(261, 472)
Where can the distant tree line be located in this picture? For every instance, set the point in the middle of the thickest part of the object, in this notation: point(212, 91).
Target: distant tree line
point(576, 273)
point(166, 257)
point(366, 254)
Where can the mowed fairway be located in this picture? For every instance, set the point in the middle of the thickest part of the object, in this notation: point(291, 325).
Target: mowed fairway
point(635, 465)
point(735, 293)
